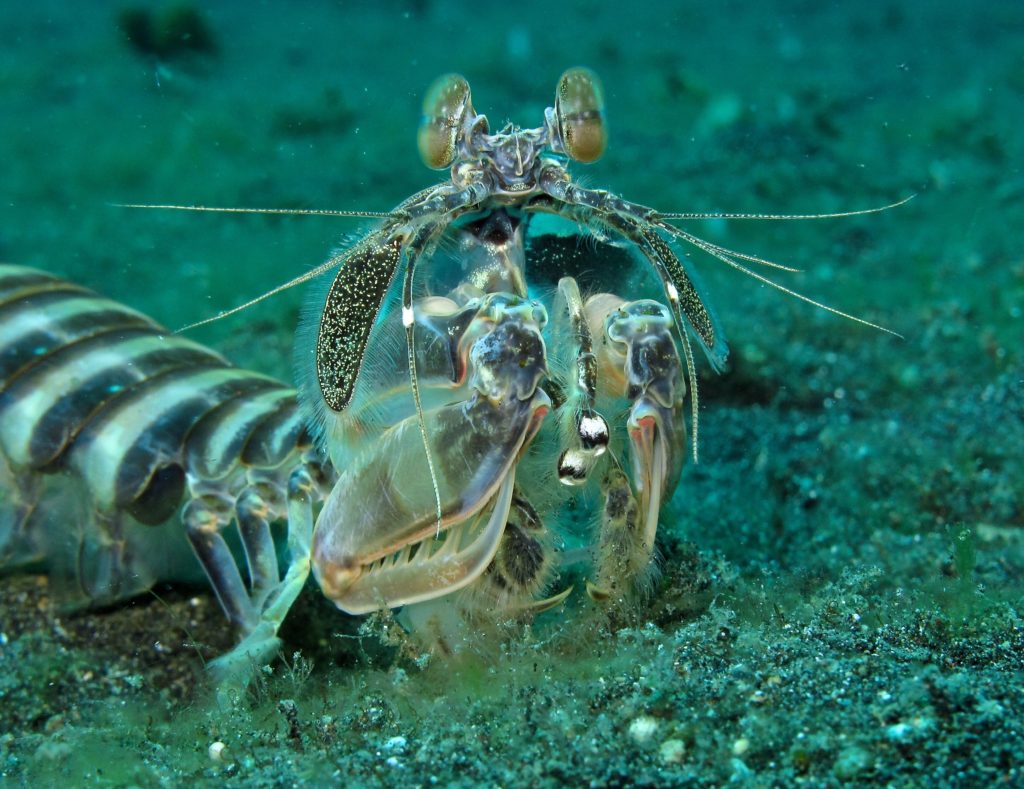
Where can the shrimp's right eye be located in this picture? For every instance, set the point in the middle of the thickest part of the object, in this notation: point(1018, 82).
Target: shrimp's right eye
point(444, 109)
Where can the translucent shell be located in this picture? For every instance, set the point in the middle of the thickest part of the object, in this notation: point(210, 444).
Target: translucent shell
point(579, 108)
point(443, 111)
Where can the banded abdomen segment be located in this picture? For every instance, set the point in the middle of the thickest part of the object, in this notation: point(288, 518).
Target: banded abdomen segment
point(137, 417)
point(96, 387)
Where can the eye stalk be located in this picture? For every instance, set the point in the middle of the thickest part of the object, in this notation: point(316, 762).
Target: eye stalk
point(444, 110)
point(579, 113)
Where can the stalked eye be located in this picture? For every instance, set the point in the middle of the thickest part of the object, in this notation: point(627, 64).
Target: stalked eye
point(579, 107)
point(443, 111)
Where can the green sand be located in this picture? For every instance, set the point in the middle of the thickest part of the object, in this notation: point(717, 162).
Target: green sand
point(842, 573)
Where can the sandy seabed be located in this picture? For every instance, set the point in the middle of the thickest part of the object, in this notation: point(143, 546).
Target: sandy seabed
point(842, 573)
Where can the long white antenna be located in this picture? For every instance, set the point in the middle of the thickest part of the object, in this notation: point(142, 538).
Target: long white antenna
point(280, 211)
point(838, 215)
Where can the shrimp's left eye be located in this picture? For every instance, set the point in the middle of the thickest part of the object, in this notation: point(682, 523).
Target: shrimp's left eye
point(444, 109)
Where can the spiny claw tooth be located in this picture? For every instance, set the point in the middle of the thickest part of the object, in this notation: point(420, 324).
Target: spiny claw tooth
point(338, 578)
point(548, 603)
point(452, 540)
point(448, 567)
point(597, 594)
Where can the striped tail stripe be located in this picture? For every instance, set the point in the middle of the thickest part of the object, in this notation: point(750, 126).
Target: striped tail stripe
point(216, 445)
point(137, 439)
point(95, 387)
point(43, 407)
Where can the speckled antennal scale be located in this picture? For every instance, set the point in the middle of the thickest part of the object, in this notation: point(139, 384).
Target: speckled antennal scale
point(356, 294)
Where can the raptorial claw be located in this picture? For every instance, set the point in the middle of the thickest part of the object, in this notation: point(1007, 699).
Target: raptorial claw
point(641, 359)
point(374, 544)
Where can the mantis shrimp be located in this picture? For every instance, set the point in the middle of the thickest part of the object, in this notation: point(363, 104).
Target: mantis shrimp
point(451, 413)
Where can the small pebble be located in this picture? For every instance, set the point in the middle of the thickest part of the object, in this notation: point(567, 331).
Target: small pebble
point(53, 751)
point(899, 731)
point(218, 752)
point(642, 730)
point(672, 751)
point(396, 744)
point(851, 762)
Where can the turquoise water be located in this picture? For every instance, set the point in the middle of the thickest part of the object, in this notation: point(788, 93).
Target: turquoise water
point(841, 586)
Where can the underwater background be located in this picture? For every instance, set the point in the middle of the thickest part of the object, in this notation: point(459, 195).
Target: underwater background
point(842, 573)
